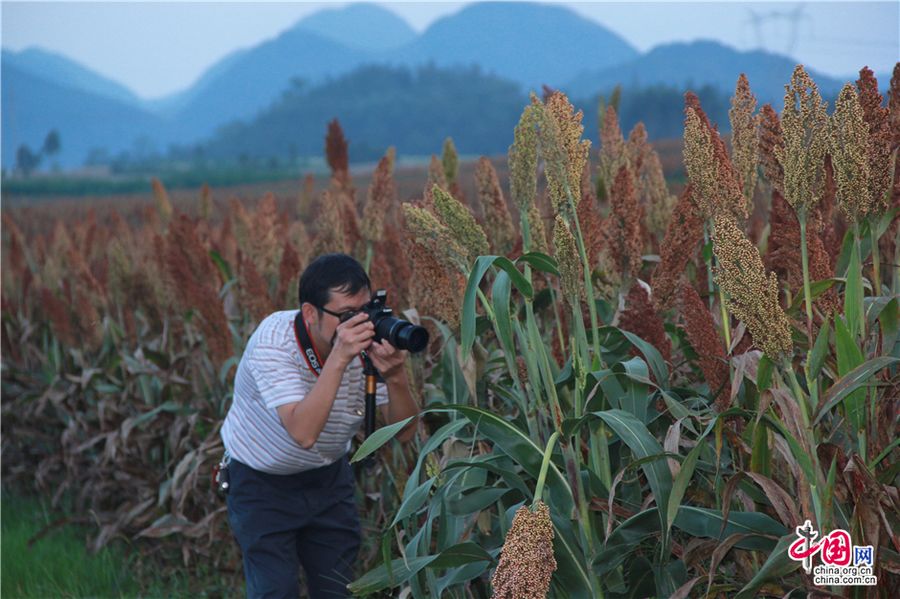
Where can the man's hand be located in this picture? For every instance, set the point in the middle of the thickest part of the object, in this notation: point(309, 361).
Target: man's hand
point(352, 337)
point(387, 359)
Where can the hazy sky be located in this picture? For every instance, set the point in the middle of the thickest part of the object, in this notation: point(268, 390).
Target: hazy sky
point(156, 48)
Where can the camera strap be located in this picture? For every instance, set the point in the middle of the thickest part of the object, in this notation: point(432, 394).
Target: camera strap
point(307, 349)
point(304, 342)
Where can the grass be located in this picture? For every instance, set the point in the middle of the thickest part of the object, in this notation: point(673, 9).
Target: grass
point(57, 564)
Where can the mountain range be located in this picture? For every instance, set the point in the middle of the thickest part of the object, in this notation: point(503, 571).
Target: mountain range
point(528, 45)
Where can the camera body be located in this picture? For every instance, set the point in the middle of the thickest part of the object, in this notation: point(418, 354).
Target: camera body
point(400, 333)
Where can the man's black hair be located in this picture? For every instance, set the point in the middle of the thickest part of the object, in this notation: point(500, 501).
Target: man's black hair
point(331, 272)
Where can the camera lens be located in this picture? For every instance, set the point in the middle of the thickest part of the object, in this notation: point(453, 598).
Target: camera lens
point(402, 334)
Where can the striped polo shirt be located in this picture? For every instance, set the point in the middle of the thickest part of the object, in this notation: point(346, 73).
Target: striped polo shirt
point(273, 373)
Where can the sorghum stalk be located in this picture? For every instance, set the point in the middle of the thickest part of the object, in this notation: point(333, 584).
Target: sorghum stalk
point(804, 259)
point(542, 477)
point(808, 432)
point(876, 267)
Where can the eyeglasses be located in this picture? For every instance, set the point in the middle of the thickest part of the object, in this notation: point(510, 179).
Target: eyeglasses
point(339, 315)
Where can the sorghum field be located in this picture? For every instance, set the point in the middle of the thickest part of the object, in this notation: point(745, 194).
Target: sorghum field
point(632, 390)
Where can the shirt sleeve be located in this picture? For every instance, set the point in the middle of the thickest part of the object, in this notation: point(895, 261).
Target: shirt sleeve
point(278, 376)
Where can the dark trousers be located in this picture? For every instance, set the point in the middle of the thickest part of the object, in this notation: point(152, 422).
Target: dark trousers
point(284, 521)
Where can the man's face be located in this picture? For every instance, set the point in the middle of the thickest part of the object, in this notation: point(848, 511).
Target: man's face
point(326, 323)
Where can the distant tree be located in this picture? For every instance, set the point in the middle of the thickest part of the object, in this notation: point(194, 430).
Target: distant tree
point(98, 157)
point(26, 160)
point(51, 143)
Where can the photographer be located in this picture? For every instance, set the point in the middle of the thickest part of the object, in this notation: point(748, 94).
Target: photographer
point(298, 401)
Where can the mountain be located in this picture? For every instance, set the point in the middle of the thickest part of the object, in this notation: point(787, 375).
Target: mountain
point(528, 43)
point(360, 26)
point(170, 105)
point(57, 68)
point(532, 44)
point(379, 106)
point(33, 106)
point(695, 64)
point(254, 79)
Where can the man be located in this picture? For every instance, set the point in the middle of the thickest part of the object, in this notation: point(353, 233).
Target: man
point(288, 431)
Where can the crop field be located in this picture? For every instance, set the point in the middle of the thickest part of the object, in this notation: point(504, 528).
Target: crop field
point(650, 364)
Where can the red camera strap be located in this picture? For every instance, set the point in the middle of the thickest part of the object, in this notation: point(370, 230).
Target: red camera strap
point(304, 342)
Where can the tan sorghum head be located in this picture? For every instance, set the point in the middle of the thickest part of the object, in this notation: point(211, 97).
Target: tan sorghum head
point(641, 319)
point(654, 194)
point(613, 155)
point(449, 161)
point(436, 174)
point(804, 125)
point(538, 231)
point(497, 220)
point(163, 204)
point(425, 228)
point(877, 117)
point(770, 138)
point(330, 228)
point(523, 160)
point(435, 287)
point(527, 562)
point(683, 236)
point(570, 267)
point(571, 129)
point(751, 294)
point(336, 150)
point(462, 224)
point(704, 337)
point(849, 142)
point(623, 225)
point(700, 162)
point(743, 138)
point(709, 168)
point(380, 196)
point(265, 241)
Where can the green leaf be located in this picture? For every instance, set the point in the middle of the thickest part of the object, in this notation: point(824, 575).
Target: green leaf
point(477, 500)
point(816, 288)
point(853, 295)
point(459, 555)
point(481, 266)
point(846, 249)
point(467, 324)
point(819, 350)
point(777, 566)
point(764, 373)
point(517, 445)
point(221, 264)
point(889, 326)
point(624, 539)
point(500, 302)
point(849, 357)
point(414, 501)
point(643, 445)
point(651, 354)
point(379, 438)
point(885, 221)
point(682, 480)
point(653, 357)
point(379, 578)
point(705, 522)
point(515, 275)
point(636, 399)
point(160, 359)
point(852, 381)
point(486, 462)
point(540, 262)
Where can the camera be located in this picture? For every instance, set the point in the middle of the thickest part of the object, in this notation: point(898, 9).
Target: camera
point(402, 334)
